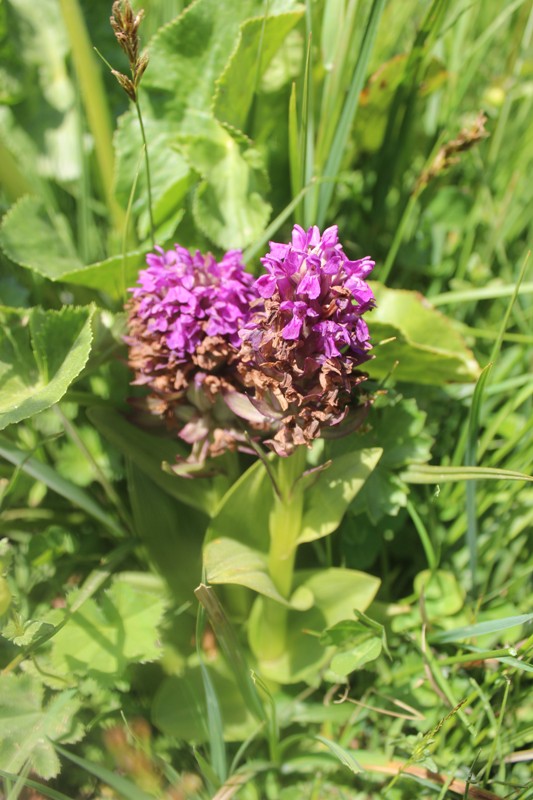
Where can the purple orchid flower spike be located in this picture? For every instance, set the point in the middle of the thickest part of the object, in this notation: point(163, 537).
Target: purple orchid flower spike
point(302, 348)
point(183, 318)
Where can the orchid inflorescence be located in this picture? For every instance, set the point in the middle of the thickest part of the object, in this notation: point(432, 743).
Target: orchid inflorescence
point(230, 361)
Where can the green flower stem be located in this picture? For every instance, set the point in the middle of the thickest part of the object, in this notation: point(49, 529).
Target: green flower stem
point(148, 177)
point(94, 101)
point(285, 525)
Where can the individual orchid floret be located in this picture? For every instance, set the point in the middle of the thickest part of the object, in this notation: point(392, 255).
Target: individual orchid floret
point(303, 345)
point(183, 321)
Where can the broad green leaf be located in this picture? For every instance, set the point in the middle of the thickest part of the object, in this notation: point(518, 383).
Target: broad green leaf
point(427, 346)
point(337, 592)
point(229, 561)
point(188, 55)
point(100, 640)
point(349, 660)
point(244, 510)
point(148, 451)
point(229, 205)
point(41, 353)
point(28, 729)
point(38, 238)
point(443, 596)
point(334, 490)
point(259, 40)
point(171, 533)
point(170, 175)
point(113, 276)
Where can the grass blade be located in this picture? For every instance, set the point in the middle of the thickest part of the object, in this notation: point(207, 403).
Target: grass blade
point(426, 473)
point(42, 472)
point(122, 786)
point(481, 628)
point(349, 111)
point(470, 461)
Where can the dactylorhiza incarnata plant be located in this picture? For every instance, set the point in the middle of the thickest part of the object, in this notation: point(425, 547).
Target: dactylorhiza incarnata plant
point(230, 360)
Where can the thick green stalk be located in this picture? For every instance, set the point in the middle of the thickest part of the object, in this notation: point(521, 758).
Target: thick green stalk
point(285, 525)
point(94, 102)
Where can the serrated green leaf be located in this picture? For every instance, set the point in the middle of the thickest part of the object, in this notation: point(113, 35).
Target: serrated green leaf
point(229, 205)
point(113, 276)
point(100, 639)
point(259, 40)
point(28, 729)
point(37, 238)
point(334, 490)
point(41, 353)
point(190, 53)
point(170, 175)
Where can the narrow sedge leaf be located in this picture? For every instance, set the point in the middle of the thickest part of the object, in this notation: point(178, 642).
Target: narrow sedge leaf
point(470, 461)
point(481, 628)
point(425, 473)
point(215, 726)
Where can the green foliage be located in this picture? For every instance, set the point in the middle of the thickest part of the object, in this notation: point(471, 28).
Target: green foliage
point(259, 115)
point(41, 355)
point(101, 639)
point(29, 729)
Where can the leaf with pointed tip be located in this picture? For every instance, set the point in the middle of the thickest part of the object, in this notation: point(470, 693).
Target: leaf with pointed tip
point(41, 353)
point(427, 347)
point(28, 729)
point(260, 39)
point(334, 490)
